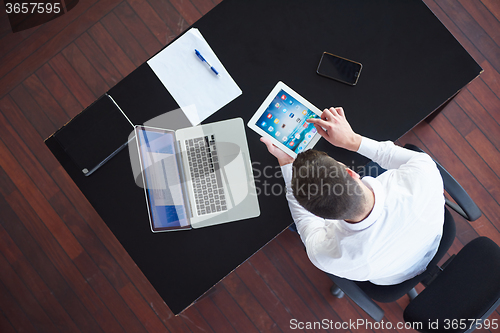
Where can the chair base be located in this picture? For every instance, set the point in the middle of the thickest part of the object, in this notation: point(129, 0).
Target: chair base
point(412, 294)
point(337, 292)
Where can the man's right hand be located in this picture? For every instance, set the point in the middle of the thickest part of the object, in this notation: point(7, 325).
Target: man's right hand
point(333, 126)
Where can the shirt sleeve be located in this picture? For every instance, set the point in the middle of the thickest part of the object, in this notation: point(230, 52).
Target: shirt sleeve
point(389, 156)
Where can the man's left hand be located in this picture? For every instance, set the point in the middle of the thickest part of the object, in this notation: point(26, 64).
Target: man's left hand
point(283, 158)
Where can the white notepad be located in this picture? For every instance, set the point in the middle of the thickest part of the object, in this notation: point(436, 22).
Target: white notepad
point(190, 81)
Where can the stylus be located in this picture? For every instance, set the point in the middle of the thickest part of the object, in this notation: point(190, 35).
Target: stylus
point(206, 62)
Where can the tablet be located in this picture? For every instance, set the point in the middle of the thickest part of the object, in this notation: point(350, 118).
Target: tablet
point(282, 117)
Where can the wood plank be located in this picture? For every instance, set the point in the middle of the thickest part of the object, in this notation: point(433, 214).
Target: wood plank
point(85, 70)
point(50, 219)
point(141, 309)
point(5, 325)
point(169, 14)
point(26, 158)
point(24, 297)
point(87, 238)
point(72, 80)
point(38, 253)
point(195, 321)
point(487, 152)
point(98, 59)
point(186, 10)
point(46, 101)
point(138, 29)
point(59, 91)
point(14, 314)
point(110, 297)
point(493, 6)
point(483, 16)
point(264, 295)
point(231, 310)
point(29, 146)
point(248, 303)
point(147, 14)
point(214, 317)
point(277, 285)
point(6, 184)
point(460, 120)
point(203, 6)
point(291, 272)
point(10, 40)
point(480, 116)
point(487, 90)
point(32, 111)
point(124, 39)
point(109, 46)
point(35, 284)
point(40, 37)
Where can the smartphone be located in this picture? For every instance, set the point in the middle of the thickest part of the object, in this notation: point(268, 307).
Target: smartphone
point(338, 68)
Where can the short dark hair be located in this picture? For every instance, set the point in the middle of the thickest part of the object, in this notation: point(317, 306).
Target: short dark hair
point(323, 187)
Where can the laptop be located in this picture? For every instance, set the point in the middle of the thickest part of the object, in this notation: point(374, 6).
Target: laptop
point(197, 176)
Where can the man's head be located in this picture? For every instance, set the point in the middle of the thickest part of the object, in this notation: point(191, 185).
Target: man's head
point(327, 188)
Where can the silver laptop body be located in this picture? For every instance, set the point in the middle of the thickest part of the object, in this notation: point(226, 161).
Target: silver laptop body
point(197, 176)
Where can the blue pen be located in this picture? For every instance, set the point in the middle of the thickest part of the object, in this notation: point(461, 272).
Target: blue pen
point(203, 59)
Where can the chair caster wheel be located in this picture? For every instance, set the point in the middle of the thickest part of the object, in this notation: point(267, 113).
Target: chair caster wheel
point(337, 292)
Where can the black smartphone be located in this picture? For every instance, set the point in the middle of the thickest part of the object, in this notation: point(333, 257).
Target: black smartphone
point(338, 68)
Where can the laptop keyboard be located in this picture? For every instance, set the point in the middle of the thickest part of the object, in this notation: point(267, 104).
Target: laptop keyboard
point(204, 168)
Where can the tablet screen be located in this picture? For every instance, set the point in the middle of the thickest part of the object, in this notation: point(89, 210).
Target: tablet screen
point(285, 120)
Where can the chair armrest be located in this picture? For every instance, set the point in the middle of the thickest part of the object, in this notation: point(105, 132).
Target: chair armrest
point(464, 205)
point(351, 289)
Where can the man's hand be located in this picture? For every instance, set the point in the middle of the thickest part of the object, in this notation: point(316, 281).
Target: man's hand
point(283, 158)
point(333, 126)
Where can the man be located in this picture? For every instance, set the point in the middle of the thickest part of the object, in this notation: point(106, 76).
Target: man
point(385, 229)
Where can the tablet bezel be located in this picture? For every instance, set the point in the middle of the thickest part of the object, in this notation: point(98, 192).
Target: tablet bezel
point(263, 107)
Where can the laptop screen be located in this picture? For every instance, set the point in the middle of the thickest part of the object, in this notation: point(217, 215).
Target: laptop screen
point(159, 165)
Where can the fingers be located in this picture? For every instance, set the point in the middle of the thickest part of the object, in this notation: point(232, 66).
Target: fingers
point(317, 121)
point(337, 111)
point(321, 131)
point(268, 143)
point(340, 111)
point(327, 114)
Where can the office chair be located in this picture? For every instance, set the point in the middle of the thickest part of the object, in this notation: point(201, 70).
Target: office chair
point(463, 295)
point(364, 294)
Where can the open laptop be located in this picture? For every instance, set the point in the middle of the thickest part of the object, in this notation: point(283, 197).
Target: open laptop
point(198, 176)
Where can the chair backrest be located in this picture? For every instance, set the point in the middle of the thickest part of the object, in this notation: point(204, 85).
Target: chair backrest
point(466, 292)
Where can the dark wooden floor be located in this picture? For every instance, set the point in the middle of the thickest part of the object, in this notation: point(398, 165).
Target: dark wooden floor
point(61, 269)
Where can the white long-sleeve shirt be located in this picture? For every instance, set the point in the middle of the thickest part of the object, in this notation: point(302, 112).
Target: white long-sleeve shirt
point(401, 234)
